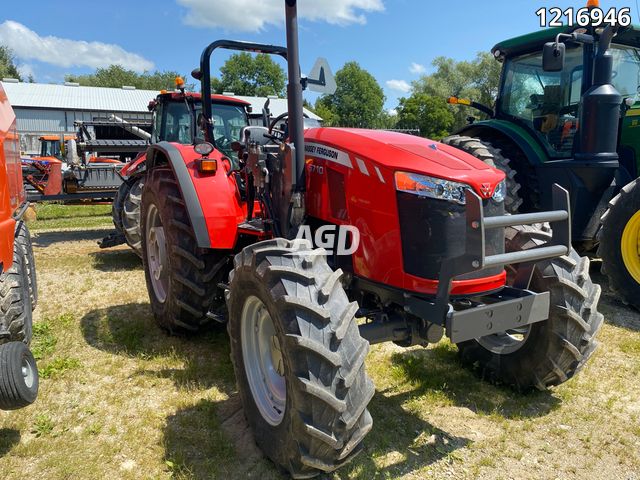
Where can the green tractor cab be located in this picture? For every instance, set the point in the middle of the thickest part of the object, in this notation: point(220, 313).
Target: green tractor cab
point(577, 125)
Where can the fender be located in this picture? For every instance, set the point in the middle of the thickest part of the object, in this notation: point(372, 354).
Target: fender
point(491, 128)
point(135, 167)
point(212, 201)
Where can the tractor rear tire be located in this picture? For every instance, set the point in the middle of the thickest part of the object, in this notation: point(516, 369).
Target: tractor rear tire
point(117, 205)
point(493, 157)
point(182, 278)
point(619, 236)
point(309, 415)
point(18, 376)
point(23, 238)
point(131, 216)
point(16, 314)
point(548, 353)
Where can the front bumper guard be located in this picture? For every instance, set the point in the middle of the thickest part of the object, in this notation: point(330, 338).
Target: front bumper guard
point(513, 307)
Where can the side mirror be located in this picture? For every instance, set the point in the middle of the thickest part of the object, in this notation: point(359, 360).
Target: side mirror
point(196, 73)
point(553, 57)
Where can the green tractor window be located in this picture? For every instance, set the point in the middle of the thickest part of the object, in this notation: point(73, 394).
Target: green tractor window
point(626, 70)
point(547, 102)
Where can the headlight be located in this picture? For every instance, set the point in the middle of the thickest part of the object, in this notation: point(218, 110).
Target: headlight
point(431, 187)
point(501, 191)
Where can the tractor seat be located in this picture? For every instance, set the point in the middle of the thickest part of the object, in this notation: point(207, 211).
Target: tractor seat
point(256, 134)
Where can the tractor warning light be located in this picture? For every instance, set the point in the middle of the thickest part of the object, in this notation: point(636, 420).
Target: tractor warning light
point(593, 3)
point(459, 101)
point(207, 165)
point(179, 83)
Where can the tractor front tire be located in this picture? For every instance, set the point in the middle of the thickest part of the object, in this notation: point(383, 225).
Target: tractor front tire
point(493, 157)
point(16, 313)
point(619, 248)
point(298, 357)
point(18, 376)
point(131, 216)
point(546, 353)
point(182, 278)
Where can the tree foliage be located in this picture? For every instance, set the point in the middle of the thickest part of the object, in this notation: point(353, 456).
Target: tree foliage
point(428, 113)
point(116, 76)
point(477, 79)
point(357, 102)
point(244, 74)
point(8, 67)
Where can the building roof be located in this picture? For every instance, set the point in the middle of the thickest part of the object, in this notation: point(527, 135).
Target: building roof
point(74, 97)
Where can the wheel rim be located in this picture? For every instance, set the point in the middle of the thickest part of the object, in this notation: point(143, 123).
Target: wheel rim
point(507, 342)
point(28, 373)
point(263, 361)
point(157, 254)
point(630, 246)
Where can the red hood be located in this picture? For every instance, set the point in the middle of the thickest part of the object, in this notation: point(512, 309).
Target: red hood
point(398, 151)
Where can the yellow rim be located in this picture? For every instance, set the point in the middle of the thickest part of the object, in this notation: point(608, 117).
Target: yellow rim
point(630, 246)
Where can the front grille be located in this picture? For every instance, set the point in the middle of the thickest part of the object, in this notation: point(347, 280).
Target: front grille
point(433, 230)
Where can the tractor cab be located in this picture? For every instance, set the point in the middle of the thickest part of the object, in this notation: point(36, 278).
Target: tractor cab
point(547, 103)
point(175, 115)
point(50, 145)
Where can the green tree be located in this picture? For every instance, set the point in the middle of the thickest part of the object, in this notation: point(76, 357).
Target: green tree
point(116, 76)
point(477, 79)
point(244, 74)
point(428, 113)
point(8, 67)
point(357, 101)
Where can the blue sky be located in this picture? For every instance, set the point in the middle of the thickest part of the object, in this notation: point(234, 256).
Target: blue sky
point(386, 37)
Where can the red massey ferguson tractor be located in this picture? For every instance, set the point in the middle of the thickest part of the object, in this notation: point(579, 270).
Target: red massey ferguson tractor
point(18, 288)
point(425, 250)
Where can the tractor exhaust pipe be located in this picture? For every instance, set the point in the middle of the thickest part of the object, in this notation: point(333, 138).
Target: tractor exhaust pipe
point(294, 94)
point(600, 113)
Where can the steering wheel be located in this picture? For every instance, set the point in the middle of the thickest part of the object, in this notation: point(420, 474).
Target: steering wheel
point(275, 121)
point(223, 143)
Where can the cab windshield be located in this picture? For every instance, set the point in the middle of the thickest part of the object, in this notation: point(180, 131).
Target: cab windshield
point(50, 148)
point(175, 123)
point(547, 102)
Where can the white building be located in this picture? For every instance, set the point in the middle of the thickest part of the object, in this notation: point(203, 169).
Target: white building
point(51, 109)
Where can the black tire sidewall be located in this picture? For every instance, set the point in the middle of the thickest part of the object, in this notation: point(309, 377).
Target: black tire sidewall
point(264, 433)
point(613, 228)
point(160, 309)
point(20, 394)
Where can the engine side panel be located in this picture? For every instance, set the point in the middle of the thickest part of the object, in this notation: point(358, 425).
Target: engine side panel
point(337, 176)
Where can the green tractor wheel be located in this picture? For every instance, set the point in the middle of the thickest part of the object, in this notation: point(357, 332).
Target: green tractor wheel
point(620, 244)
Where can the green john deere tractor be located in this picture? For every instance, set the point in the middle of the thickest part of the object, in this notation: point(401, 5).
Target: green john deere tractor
point(568, 112)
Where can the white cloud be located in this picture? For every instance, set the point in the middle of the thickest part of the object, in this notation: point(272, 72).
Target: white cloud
point(417, 69)
point(28, 45)
point(26, 71)
point(399, 85)
point(253, 16)
point(393, 112)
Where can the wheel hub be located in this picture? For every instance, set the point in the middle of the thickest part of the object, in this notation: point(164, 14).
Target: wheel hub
point(630, 246)
point(263, 360)
point(156, 245)
point(504, 343)
point(27, 373)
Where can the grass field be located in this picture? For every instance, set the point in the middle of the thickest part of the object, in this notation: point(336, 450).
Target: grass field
point(120, 399)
